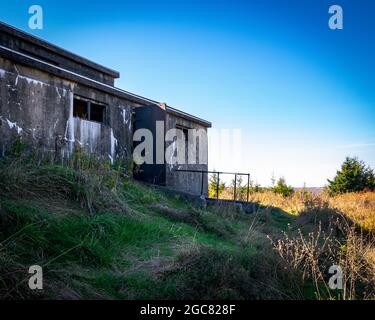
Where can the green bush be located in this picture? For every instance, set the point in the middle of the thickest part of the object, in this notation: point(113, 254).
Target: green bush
point(282, 188)
point(354, 176)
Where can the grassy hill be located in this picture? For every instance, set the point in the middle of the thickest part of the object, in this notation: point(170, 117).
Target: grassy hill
point(100, 235)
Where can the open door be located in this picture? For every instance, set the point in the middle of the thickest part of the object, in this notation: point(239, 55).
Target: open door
point(146, 118)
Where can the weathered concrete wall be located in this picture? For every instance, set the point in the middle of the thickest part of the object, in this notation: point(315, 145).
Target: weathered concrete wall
point(114, 138)
point(29, 45)
point(38, 108)
point(187, 181)
point(33, 106)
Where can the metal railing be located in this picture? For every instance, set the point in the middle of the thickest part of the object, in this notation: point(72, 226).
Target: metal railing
point(218, 173)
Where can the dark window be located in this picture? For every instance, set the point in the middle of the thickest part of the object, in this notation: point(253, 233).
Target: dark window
point(185, 136)
point(81, 109)
point(88, 110)
point(185, 132)
point(97, 112)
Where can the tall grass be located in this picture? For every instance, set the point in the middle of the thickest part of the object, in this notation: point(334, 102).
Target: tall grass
point(98, 234)
point(359, 207)
point(91, 183)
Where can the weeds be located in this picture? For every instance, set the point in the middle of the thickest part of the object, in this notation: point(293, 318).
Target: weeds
point(313, 254)
point(100, 235)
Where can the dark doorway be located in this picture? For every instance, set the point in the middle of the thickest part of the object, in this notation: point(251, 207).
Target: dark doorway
point(146, 118)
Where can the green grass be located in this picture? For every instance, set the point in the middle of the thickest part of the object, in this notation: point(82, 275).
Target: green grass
point(98, 234)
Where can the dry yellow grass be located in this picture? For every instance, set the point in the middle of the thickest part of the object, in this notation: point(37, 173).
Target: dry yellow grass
point(294, 204)
point(313, 251)
point(359, 207)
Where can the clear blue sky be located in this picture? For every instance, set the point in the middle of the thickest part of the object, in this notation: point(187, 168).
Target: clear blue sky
point(302, 94)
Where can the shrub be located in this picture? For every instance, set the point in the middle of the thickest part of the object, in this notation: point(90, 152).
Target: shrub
point(282, 188)
point(354, 176)
point(311, 256)
point(214, 274)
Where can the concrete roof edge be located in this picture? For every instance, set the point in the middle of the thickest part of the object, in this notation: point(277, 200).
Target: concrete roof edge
point(31, 61)
point(69, 75)
point(188, 116)
point(62, 52)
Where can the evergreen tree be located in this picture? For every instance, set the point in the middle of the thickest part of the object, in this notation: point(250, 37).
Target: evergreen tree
point(282, 188)
point(212, 185)
point(254, 187)
point(241, 188)
point(354, 176)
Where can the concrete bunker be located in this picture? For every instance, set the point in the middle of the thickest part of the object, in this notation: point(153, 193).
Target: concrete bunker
point(55, 100)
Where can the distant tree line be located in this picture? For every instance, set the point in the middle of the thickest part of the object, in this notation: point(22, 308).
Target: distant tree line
point(227, 191)
point(354, 176)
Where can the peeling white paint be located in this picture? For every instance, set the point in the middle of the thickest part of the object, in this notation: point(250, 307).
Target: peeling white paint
point(13, 125)
point(33, 132)
point(58, 93)
point(123, 112)
point(29, 80)
point(126, 117)
point(90, 133)
point(11, 87)
point(113, 146)
point(16, 82)
point(110, 158)
point(33, 81)
point(69, 130)
point(55, 124)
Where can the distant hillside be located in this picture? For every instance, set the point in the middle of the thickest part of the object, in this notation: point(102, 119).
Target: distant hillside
point(314, 190)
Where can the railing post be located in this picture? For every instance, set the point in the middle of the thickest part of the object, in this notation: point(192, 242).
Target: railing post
point(235, 186)
point(218, 181)
point(202, 183)
point(248, 187)
point(218, 185)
